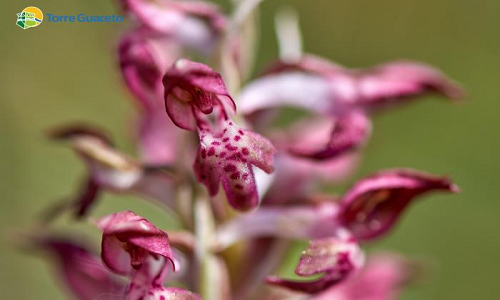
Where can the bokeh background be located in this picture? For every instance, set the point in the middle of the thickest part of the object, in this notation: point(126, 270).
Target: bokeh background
point(65, 72)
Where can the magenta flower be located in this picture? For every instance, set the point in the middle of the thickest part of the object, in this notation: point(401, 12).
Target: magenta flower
point(192, 87)
point(372, 206)
point(111, 170)
point(226, 153)
point(128, 240)
point(336, 258)
point(131, 245)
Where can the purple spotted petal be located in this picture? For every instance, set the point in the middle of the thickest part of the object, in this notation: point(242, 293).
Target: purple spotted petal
point(335, 258)
point(84, 274)
point(294, 222)
point(349, 132)
point(128, 240)
point(228, 157)
point(372, 206)
point(382, 278)
point(190, 84)
point(162, 293)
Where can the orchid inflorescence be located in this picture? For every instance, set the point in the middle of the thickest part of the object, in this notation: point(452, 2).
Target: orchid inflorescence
point(199, 128)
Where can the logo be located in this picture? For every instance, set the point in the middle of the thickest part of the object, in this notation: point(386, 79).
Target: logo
point(31, 16)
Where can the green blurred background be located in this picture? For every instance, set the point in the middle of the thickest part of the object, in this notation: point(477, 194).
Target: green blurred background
point(63, 72)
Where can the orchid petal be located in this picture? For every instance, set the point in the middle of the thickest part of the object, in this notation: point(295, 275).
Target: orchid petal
point(336, 258)
point(349, 132)
point(194, 24)
point(296, 222)
point(382, 278)
point(330, 89)
point(83, 273)
point(127, 233)
point(158, 138)
point(296, 177)
point(372, 206)
point(191, 85)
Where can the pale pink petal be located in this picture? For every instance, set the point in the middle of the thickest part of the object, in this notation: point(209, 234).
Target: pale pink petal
point(294, 222)
point(331, 89)
point(349, 132)
point(297, 177)
point(158, 138)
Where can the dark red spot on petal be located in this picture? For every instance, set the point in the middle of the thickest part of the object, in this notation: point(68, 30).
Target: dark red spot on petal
point(238, 186)
point(216, 143)
point(211, 151)
point(222, 154)
point(226, 139)
point(237, 138)
point(235, 175)
point(245, 151)
point(245, 176)
point(241, 132)
point(204, 153)
point(230, 168)
point(231, 147)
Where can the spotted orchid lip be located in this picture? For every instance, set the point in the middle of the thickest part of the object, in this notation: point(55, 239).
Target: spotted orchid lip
point(227, 157)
